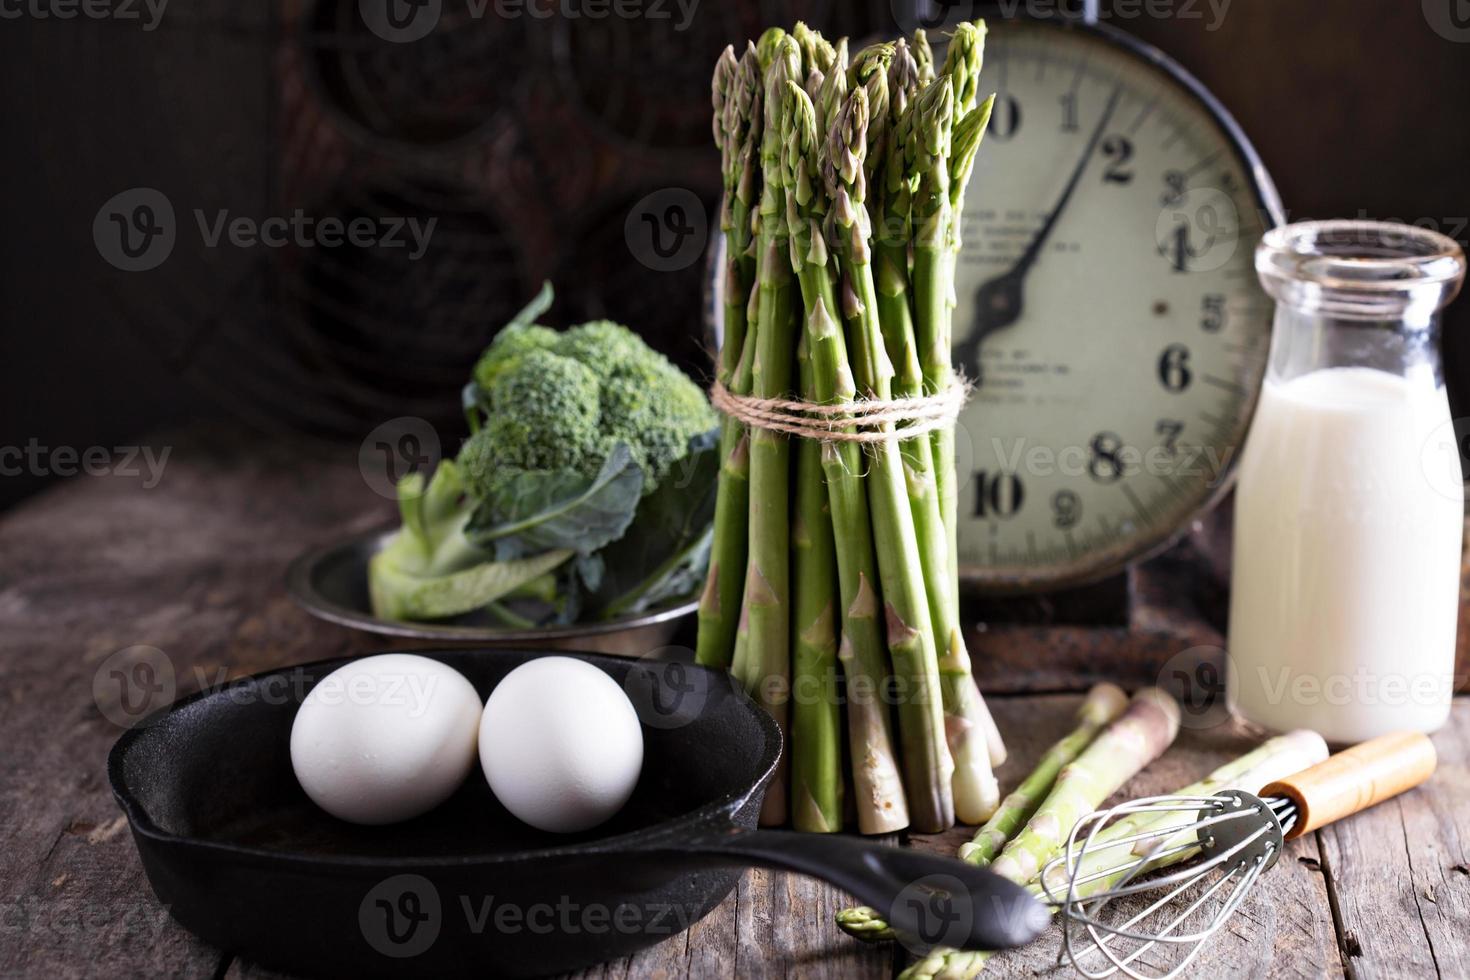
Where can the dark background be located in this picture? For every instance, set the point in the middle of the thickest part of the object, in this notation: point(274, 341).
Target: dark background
point(531, 141)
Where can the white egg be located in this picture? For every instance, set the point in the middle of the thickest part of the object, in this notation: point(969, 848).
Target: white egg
point(560, 744)
point(385, 738)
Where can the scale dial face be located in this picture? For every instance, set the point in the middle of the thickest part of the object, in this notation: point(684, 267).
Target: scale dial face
point(1108, 309)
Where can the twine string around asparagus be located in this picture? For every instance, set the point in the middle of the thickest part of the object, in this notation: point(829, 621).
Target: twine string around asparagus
point(864, 420)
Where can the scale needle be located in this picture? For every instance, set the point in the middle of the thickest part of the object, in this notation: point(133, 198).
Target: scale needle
point(999, 301)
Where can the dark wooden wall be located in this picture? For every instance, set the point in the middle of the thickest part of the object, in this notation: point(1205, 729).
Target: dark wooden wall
point(1357, 106)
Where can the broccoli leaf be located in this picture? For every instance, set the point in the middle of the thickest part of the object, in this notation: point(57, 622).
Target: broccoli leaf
point(590, 569)
point(400, 594)
point(664, 553)
point(680, 577)
point(535, 510)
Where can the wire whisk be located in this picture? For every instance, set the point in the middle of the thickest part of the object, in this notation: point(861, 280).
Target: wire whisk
point(1119, 904)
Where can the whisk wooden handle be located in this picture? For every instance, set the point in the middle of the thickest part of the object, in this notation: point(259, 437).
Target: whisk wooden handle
point(1355, 779)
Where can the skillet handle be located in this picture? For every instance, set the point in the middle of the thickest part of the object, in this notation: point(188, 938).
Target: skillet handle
point(935, 900)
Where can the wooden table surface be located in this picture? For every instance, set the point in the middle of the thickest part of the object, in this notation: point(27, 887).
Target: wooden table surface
point(193, 566)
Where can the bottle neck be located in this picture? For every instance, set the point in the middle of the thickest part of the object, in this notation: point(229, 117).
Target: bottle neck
point(1304, 341)
point(1358, 294)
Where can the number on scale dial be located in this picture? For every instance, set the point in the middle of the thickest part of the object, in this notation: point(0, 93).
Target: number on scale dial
point(1108, 309)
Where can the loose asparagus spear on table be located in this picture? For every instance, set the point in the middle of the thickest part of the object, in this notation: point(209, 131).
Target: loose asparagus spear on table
point(1139, 736)
point(1103, 704)
point(1274, 759)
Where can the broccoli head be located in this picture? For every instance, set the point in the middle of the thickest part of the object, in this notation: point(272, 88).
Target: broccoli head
point(564, 400)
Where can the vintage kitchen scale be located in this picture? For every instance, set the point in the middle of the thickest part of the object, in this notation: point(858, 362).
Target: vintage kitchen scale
point(1109, 314)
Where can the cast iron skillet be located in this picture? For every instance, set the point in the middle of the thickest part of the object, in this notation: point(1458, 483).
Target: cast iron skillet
point(241, 857)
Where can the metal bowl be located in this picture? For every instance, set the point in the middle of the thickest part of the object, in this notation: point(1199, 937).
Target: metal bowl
point(330, 582)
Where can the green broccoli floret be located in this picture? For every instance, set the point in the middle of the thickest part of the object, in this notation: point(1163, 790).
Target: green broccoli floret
point(563, 400)
point(544, 394)
point(507, 349)
point(647, 402)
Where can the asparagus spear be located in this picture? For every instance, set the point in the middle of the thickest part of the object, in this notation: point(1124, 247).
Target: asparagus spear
point(817, 54)
point(928, 767)
point(1103, 704)
point(962, 62)
point(923, 56)
point(816, 724)
point(768, 575)
point(737, 109)
point(891, 189)
point(878, 790)
point(875, 59)
point(934, 239)
point(916, 135)
point(920, 146)
point(937, 198)
point(1130, 743)
point(967, 136)
point(816, 751)
point(768, 46)
point(1135, 739)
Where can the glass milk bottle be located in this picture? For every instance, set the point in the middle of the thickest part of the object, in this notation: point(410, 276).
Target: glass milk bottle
point(1349, 506)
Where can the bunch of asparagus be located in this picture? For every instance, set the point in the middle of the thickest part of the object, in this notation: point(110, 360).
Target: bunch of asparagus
point(1115, 739)
point(833, 582)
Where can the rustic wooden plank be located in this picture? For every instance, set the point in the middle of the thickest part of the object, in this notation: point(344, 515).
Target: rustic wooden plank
point(1437, 831)
point(785, 928)
point(711, 946)
point(1400, 873)
point(87, 911)
point(710, 942)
